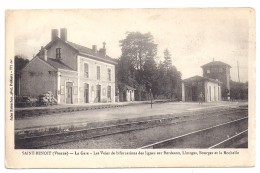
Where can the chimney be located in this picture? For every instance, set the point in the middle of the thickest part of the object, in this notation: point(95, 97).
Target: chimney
point(104, 48)
point(43, 54)
point(94, 48)
point(54, 34)
point(63, 34)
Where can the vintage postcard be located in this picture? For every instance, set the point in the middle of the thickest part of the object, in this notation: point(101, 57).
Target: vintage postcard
point(120, 88)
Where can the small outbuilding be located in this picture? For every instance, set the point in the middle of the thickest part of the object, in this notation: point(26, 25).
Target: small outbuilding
point(193, 87)
point(127, 94)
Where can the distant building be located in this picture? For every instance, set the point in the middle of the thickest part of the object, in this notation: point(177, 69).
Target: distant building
point(220, 71)
point(214, 85)
point(73, 73)
point(192, 87)
point(128, 94)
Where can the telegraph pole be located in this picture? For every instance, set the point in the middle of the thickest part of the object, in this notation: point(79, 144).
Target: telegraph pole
point(238, 72)
point(151, 98)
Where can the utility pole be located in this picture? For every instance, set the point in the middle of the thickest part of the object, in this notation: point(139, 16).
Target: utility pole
point(238, 72)
point(151, 98)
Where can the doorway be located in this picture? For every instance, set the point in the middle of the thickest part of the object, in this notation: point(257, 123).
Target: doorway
point(86, 93)
point(98, 97)
point(194, 94)
point(69, 92)
point(210, 93)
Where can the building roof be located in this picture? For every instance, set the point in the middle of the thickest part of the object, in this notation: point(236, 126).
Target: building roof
point(99, 56)
point(129, 87)
point(58, 64)
point(216, 63)
point(200, 78)
point(84, 50)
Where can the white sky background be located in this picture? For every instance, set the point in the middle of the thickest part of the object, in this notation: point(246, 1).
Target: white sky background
point(194, 37)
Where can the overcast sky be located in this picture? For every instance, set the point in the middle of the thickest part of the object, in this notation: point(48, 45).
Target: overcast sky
point(194, 37)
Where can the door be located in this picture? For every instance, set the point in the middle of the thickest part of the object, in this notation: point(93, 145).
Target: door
point(109, 93)
point(69, 93)
point(194, 93)
point(188, 93)
point(86, 93)
point(124, 96)
point(215, 94)
point(98, 97)
point(210, 93)
point(131, 96)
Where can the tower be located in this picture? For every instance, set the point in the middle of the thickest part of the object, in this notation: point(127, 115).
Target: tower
point(220, 71)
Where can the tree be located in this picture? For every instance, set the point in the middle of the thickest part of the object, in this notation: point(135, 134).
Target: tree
point(137, 62)
point(169, 78)
point(137, 68)
point(137, 47)
point(238, 90)
point(167, 59)
point(19, 63)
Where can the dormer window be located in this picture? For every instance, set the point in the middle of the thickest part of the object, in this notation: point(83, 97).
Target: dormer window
point(208, 71)
point(58, 53)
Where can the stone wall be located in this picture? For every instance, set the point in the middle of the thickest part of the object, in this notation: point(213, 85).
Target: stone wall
point(92, 80)
point(37, 78)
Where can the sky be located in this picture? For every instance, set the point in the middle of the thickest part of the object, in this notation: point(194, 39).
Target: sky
point(193, 36)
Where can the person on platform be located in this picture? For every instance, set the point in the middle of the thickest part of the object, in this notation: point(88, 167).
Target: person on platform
point(201, 96)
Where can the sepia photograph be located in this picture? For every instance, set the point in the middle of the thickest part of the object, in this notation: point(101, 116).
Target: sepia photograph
point(135, 79)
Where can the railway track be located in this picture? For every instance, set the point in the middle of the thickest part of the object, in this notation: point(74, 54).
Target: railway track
point(236, 139)
point(40, 141)
point(223, 140)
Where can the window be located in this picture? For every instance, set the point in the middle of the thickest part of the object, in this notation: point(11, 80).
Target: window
point(109, 92)
point(208, 71)
point(109, 74)
point(220, 70)
point(86, 73)
point(98, 72)
point(58, 53)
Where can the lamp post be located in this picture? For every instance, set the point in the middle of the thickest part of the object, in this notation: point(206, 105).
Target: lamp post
point(151, 98)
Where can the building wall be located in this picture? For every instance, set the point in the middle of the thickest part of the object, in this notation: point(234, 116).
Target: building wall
point(130, 95)
point(68, 54)
point(192, 90)
point(182, 91)
point(222, 73)
point(68, 76)
point(188, 93)
point(227, 79)
point(37, 78)
point(93, 81)
point(212, 91)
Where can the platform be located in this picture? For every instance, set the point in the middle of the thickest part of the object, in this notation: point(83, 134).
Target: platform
point(118, 113)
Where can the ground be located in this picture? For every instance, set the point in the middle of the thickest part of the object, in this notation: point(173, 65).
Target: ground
point(132, 111)
point(138, 125)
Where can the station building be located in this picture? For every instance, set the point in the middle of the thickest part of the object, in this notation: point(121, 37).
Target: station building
point(214, 84)
point(73, 73)
point(210, 88)
point(220, 71)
